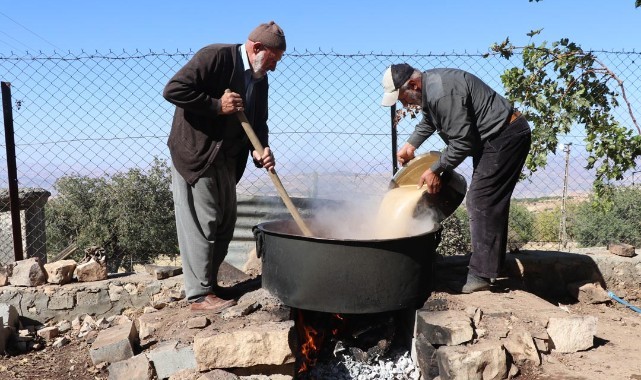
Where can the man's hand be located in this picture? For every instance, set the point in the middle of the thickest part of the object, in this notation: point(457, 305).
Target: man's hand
point(405, 154)
point(267, 160)
point(230, 103)
point(431, 180)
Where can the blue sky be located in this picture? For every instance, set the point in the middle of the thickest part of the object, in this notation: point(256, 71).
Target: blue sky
point(344, 26)
point(340, 26)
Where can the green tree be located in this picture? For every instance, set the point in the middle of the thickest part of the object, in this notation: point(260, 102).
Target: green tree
point(129, 214)
point(561, 85)
point(597, 222)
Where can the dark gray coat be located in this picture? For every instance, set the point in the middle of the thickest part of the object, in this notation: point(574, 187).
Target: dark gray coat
point(198, 133)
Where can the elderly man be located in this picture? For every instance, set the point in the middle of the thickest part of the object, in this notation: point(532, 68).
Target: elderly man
point(475, 121)
point(209, 150)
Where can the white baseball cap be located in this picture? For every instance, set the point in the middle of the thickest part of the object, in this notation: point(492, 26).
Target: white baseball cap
point(394, 77)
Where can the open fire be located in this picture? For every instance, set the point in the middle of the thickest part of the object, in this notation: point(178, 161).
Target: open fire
point(363, 337)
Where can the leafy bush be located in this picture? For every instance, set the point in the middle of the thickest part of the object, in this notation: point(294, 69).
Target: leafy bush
point(598, 222)
point(547, 225)
point(455, 237)
point(456, 240)
point(128, 214)
point(520, 226)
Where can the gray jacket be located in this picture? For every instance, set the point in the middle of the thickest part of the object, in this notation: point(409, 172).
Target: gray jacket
point(463, 110)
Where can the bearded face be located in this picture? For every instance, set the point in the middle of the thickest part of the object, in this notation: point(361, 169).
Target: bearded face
point(411, 97)
point(258, 69)
point(265, 60)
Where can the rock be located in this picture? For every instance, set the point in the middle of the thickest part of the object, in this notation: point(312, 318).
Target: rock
point(76, 323)
point(115, 292)
point(91, 271)
point(103, 323)
point(185, 374)
point(475, 314)
point(425, 357)
point(48, 333)
point(264, 344)
point(60, 272)
point(137, 367)
point(621, 249)
point(588, 292)
point(263, 297)
point(198, 322)
point(168, 359)
point(61, 342)
point(118, 320)
point(542, 342)
point(161, 272)
point(239, 310)
point(573, 333)
point(9, 316)
point(5, 273)
point(114, 344)
point(148, 324)
point(28, 272)
point(253, 266)
point(520, 345)
point(483, 361)
point(444, 327)
point(217, 374)
point(86, 328)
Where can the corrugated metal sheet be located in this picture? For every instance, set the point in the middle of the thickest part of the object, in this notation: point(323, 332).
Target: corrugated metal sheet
point(253, 210)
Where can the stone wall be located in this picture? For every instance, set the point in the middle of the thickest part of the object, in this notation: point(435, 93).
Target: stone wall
point(99, 299)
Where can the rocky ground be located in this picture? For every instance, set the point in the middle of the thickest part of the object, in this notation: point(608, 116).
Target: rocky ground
point(614, 356)
point(615, 353)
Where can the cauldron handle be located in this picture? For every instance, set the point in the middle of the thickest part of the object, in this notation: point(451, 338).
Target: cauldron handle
point(259, 235)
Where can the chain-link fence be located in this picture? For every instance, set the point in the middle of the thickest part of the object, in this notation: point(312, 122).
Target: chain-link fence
point(92, 116)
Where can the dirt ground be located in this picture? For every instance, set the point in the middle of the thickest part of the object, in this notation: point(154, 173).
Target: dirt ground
point(69, 362)
point(615, 355)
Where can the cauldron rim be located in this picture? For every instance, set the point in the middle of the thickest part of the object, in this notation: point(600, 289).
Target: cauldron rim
point(265, 227)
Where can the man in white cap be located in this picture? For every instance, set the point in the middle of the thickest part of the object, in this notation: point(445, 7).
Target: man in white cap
point(209, 151)
point(475, 121)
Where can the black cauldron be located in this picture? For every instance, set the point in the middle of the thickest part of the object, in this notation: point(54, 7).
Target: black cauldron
point(356, 276)
point(345, 276)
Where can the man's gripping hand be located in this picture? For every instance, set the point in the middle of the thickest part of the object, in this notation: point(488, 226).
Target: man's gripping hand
point(266, 161)
point(405, 154)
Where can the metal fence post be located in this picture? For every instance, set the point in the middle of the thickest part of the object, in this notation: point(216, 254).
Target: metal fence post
point(394, 139)
point(14, 200)
point(563, 241)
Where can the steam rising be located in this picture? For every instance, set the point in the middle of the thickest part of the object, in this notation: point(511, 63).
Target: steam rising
point(387, 217)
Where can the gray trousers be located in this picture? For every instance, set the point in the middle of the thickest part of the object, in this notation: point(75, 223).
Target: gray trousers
point(497, 168)
point(205, 221)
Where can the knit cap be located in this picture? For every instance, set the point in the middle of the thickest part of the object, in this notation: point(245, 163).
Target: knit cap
point(270, 35)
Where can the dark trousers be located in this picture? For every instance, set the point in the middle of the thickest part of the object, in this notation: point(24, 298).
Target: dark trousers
point(496, 171)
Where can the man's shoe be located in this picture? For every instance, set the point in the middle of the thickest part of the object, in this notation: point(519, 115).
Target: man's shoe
point(211, 303)
point(475, 283)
